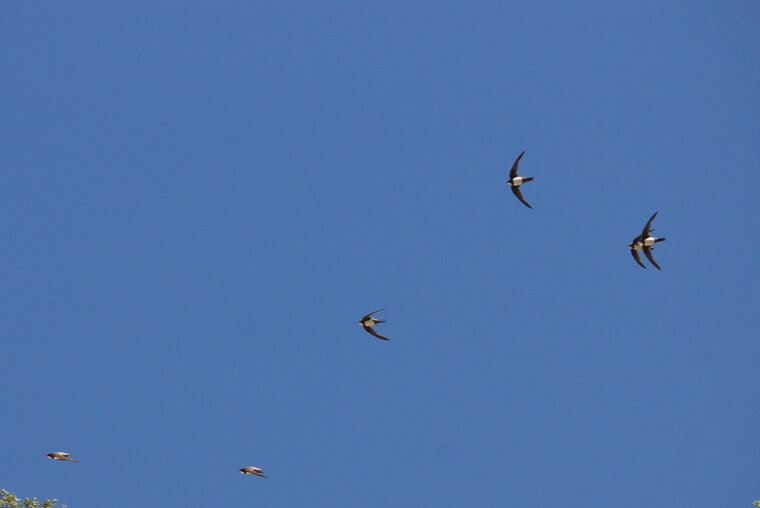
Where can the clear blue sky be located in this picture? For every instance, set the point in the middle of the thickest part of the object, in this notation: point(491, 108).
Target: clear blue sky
point(200, 199)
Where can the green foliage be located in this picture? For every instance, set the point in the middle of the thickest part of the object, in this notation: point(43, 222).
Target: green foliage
point(756, 503)
point(8, 500)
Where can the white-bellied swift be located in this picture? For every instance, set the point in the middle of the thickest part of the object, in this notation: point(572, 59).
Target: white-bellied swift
point(368, 322)
point(644, 242)
point(515, 181)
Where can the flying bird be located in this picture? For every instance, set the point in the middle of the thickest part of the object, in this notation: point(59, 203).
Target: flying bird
point(61, 456)
point(644, 242)
point(368, 322)
point(516, 181)
point(253, 470)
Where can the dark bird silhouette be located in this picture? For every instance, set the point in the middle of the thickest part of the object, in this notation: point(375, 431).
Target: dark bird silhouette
point(516, 181)
point(644, 242)
point(368, 322)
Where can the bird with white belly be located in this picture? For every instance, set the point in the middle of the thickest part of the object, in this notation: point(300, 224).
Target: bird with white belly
point(644, 242)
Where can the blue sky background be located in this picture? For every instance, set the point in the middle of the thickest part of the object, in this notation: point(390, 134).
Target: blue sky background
point(200, 199)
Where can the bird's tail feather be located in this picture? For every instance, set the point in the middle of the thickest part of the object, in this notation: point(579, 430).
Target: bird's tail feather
point(659, 240)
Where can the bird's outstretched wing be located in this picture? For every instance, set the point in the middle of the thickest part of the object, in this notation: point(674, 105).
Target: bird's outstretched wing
point(61, 456)
point(516, 191)
point(636, 256)
point(371, 331)
point(513, 171)
point(648, 227)
point(648, 254)
point(370, 314)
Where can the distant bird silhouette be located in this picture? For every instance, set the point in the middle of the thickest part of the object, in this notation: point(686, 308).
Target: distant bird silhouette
point(61, 456)
point(253, 470)
point(368, 322)
point(516, 181)
point(644, 242)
